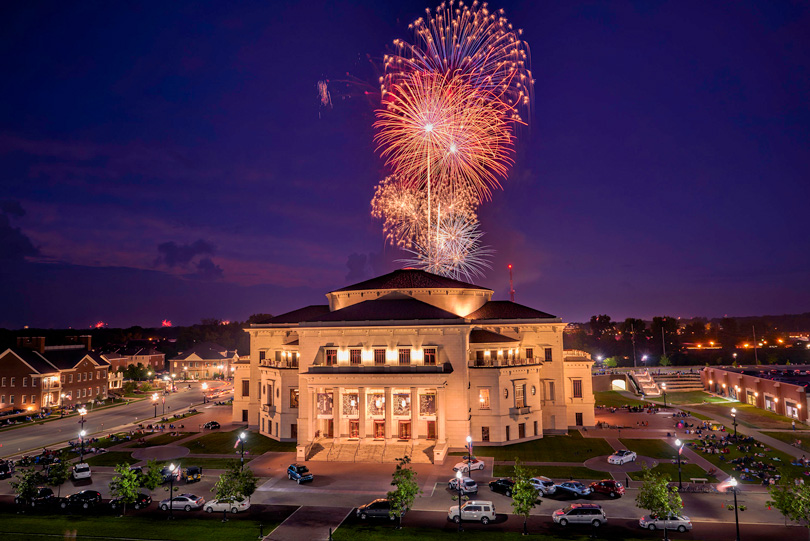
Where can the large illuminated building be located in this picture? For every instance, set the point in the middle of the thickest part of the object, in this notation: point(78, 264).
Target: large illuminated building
point(410, 362)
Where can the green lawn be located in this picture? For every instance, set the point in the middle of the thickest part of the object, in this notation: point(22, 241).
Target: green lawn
point(700, 416)
point(554, 472)
point(26, 527)
point(748, 415)
point(206, 463)
point(613, 399)
point(374, 532)
point(110, 458)
point(651, 448)
point(791, 437)
point(570, 448)
point(783, 466)
point(222, 443)
point(687, 472)
point(161, 439)
point(689, 397)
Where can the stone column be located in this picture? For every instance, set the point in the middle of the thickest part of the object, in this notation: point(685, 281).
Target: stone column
point(414, 412)
point(389, 420)
point(337, 411)
point(441, 416)
point(361, 410)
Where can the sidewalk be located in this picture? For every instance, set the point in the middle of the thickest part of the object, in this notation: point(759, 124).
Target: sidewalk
point(312, 523)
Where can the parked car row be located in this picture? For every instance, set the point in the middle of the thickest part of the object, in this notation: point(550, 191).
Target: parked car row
point(546, 487)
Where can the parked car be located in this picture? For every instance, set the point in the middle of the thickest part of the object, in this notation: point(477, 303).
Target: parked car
point(299, 474)
point(476, 510)
point(543, 485)
point(81, 471)
point(6, 469)
point(84, 499)
point(212, 425)
point(504, 486)
point(612, 488)
point(43, 496)
point(232, 505)
point(186, 502)
point(676, 522)
point(379, 508)
point(468, 485)
point(192, 474)
point(622, 457)
point(466, 467)
point(580, 513)
point(573, 488)
point(141, 501)
point(166, 474)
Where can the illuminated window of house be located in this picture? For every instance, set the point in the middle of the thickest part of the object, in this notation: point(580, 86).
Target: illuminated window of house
point(430, 356)
point(483, 398)
point(354, 356)
point(331, 357)
point(293, 398)
point(520, 394)
point(404, 356)
point(379, 357)
point(577, 388)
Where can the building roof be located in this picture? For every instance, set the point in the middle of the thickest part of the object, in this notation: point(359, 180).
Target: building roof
point(66, 359)
point(34, 359)
point(480, 336)
point(302, 314)
point(410, 279)
point(508, 310)
point(205, 350)
point(391, 307)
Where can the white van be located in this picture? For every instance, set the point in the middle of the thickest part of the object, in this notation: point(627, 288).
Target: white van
point(81, 471)
point(476, 510)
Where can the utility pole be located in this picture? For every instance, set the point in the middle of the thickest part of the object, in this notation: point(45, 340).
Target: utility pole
point(754, 330)
point(663, 342)
point(633, 338)
point(511, 285)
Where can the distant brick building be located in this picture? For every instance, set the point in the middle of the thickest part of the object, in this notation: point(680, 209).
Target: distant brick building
point(203, 361)
point(121, 357)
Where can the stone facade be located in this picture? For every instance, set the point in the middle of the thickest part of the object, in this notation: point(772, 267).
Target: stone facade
point(411, 356)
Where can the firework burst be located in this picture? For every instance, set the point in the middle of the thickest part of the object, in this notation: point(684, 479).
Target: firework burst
point(457, 251)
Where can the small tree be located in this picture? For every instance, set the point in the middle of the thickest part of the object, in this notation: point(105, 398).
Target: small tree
point(792, 501)
point(124, 485)
point(664, 361)
point(656, 496)
point(236, 483)
point(407, 489)
point(524, 495)
point(58, 473)
point(26, 483)
point(152, 478)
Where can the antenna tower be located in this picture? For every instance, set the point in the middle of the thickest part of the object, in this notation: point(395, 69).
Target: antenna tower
point(511, 285)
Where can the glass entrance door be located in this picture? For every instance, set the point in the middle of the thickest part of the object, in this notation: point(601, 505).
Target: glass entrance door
point(404, 430)
point(354, 428)
point(431, 430)
point(379, 430)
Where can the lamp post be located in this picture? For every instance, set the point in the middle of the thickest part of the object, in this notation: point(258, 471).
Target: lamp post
point(664, 388)
point(734, 420)
point(82, 412)
point(154, 401)
point(469, 453)
point(172, 468)
point(61, 405)
point(733, 483)
point(459, 477)
point(81, 449)
point(679, 445)
point(242, 438)
point(204, 390)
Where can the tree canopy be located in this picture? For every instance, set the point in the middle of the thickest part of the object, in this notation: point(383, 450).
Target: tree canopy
point(656, 496)
point(124, 485)
point(406, 488)
point(524, 495)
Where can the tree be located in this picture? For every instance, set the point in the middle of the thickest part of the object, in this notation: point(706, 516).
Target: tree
point(26, 483)
point(58, 473)
point(664, 361)
point(402, 497)
point(524, 495)
point(236, 483)
point(602, 326)
point(792, 501)
point(152, 478)
point(656, 496)
point(124, 485)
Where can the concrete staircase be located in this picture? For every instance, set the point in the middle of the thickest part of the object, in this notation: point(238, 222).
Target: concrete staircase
point(647, 384)
point(679, 383)
point(421, 452)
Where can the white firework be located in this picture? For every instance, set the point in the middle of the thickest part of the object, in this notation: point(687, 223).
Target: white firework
point(455, 251)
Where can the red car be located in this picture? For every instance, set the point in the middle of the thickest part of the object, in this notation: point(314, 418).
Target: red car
point(612, 488)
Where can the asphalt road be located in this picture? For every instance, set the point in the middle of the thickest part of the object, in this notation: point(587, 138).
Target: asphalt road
point(28, 439)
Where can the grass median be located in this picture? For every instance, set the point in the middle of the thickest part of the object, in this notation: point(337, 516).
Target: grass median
point(570, 448)
point(687, 397)
point(222, 443)
point(371, 532)
point(161, 439)
point(110, 458)
point(791, 437)
point(614, 399)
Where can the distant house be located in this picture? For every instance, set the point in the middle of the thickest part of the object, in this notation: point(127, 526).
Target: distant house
point(205, 360)
point(37, 377)
point(121, 357)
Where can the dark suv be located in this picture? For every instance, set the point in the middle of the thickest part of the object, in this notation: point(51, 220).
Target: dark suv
point(6, 469)
point(141, 501)
point(84, 499)
point(299, 474)
point(504, 486)
point(211, 425)
point(380, 508)
point(42, 497)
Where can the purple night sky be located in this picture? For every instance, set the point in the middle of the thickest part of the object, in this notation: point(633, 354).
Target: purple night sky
point(170, 160)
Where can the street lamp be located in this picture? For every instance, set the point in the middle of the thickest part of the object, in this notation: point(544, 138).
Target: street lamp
point(733, 483)
point(82, 412)
point(82, 434)
point(154, 401)
point(734, 418)
point(172, 468)
point(61, 405)
point(679, 445)
point(242, 438)
point(664, 388)
point(644, 360)
point(459, 477)
point(204, 389)
point(469, 453)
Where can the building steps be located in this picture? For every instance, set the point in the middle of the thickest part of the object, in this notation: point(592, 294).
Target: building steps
point(421, 452)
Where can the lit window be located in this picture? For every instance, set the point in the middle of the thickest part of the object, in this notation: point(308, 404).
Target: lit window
point(430, 356)
point(331, 357)
point(379, 357)
point(354, 356)
point(404, 356)
point(483, 398)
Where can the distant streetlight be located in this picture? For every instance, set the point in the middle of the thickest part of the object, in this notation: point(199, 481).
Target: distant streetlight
point(82, 434)
point(664, 388)
point(205, 394)
point(242, 438)
point(679, 445)
point(469, 453)
point(734, 418)
point(172, 469)
point(61, 405)
point(154, 401)
point(459, 477)
point(733, 483)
